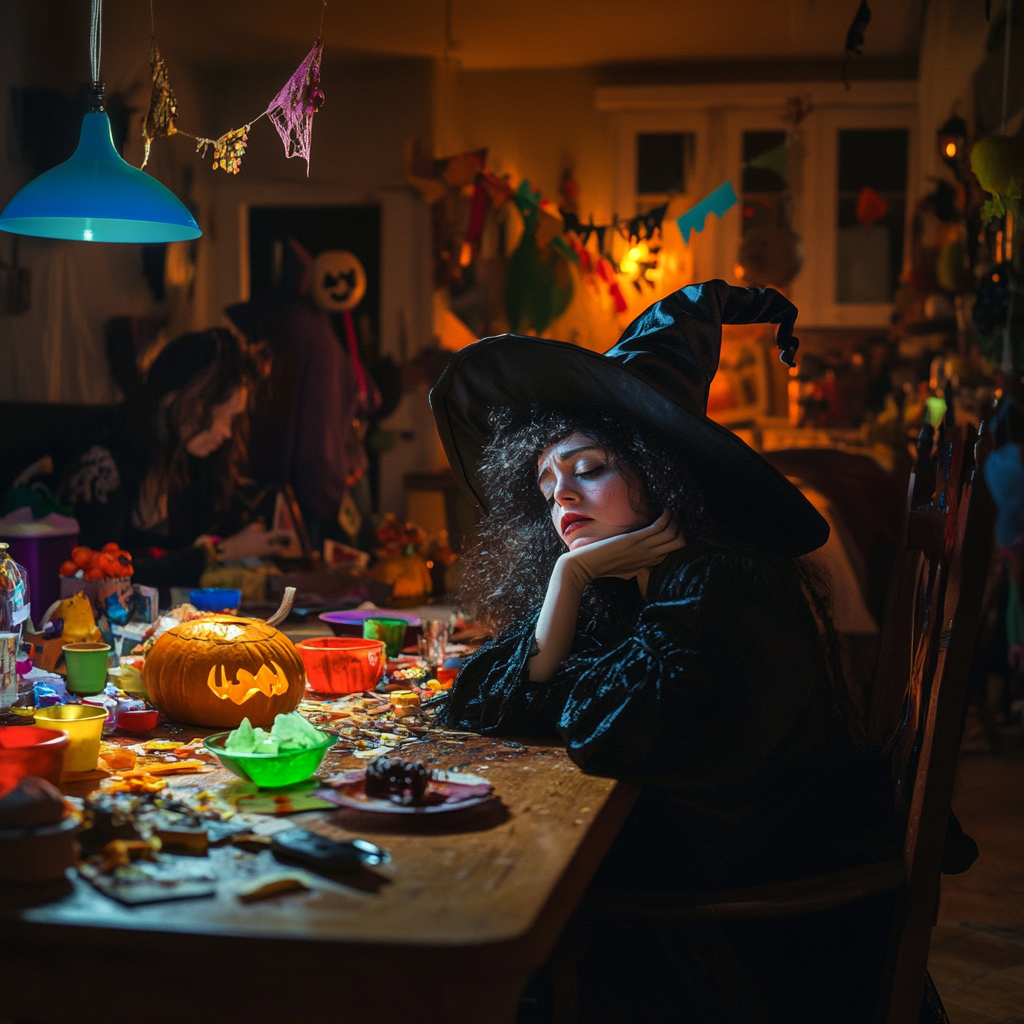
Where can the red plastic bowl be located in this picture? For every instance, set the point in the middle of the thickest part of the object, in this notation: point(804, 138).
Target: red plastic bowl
point(341, 664)
point(30, 750)
point(138, 722)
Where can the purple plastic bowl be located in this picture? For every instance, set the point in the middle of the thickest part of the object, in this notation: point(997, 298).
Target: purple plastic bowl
point(350, 623)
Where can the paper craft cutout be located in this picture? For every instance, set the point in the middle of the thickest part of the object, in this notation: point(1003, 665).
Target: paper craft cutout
point(292, 109)
point(774, 159)
point(871, 207)
point(229, 149)
point(723, 198)
point(163, 104)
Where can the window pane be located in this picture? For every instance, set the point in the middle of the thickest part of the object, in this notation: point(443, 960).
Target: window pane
point(770, 252)
point(764, 161)
point(662, 162)
point(872, 198)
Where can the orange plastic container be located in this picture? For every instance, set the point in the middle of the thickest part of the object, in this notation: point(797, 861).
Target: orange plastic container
point(341, 664)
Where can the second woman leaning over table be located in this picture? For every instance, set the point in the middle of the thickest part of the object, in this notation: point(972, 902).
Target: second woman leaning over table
point(165, 488)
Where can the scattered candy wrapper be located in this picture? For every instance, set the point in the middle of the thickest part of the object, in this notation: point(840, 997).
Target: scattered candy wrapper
point(247, 797)
point(274, 884)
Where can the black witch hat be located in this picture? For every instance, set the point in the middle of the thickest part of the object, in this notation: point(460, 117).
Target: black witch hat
point(659, 373)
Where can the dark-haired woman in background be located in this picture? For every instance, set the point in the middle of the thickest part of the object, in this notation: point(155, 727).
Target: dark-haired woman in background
point(638, 567)
point(165, 490)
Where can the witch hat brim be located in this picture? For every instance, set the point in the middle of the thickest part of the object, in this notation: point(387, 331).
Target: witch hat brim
point(755, 502)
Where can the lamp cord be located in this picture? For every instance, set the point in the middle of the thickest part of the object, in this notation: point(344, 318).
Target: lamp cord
point(95, 39)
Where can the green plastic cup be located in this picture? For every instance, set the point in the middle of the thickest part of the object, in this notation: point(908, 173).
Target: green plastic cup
point(87, 667)
point(391, 631)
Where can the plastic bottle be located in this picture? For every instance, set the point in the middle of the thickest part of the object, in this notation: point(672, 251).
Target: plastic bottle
point(15, 608)
point(15, 598)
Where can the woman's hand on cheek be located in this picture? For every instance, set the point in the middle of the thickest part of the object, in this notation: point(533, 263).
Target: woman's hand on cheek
point(627, 554)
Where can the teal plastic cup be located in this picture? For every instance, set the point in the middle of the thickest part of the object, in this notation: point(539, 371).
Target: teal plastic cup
point(391, 631)
point(87, 667)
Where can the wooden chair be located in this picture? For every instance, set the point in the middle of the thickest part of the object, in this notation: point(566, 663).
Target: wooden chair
point(918, 705)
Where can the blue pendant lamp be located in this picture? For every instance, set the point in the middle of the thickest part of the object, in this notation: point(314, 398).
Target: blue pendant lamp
point(95, 196)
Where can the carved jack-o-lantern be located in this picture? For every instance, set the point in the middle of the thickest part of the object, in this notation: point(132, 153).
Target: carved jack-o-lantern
point(220, 669)
point(337, 281)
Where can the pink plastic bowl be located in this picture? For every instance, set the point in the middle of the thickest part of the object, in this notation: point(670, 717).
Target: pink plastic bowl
point(341, 664)
point(30, 750)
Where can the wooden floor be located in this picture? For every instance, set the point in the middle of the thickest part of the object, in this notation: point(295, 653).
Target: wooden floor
point(977, 953)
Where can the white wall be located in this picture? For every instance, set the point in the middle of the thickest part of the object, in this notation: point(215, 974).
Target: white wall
point(952, 48)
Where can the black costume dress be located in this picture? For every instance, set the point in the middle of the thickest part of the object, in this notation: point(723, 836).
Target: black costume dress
point(714, 696)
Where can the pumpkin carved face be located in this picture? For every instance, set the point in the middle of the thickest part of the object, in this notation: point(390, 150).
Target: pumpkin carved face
point(218, 670)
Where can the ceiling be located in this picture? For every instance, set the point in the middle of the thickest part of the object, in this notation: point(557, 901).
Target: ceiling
point(526, 34)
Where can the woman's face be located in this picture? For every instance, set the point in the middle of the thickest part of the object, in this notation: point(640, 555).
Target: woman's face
point(590, 496)
point(204, 443)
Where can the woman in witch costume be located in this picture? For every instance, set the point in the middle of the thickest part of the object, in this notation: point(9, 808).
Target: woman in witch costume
point(639, 570)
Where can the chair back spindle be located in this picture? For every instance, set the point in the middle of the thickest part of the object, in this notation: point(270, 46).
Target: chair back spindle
point(949, 543)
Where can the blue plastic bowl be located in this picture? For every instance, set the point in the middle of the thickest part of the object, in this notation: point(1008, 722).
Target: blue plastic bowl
point(216, 599)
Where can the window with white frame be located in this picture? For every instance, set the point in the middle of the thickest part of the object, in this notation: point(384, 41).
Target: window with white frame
point(830, 195)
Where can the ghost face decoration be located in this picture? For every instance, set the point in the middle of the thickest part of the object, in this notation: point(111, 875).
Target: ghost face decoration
point(338, 281)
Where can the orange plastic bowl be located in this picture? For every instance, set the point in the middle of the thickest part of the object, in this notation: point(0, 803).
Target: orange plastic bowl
point(342, 664)
point(30, 750)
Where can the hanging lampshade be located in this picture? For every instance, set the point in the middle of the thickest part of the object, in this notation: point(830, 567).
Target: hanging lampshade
point(95, 196)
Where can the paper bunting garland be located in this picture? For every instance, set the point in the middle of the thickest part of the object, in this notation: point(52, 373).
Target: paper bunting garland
point(228, 150)
point(291, 112)
point(723, 198)
point(292, 109)
point(163, 104)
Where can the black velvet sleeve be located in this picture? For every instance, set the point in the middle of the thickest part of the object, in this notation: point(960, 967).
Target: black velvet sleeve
point(709, 692)
point(493, 693)
point(717, 681)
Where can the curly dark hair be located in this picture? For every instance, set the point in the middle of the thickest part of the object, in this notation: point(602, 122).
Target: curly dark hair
point(507, 571)
point(518, 531)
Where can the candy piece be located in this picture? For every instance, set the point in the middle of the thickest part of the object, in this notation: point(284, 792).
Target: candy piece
point(116, 758)
point(293, 732)
point(271, 885)
point(183, 840)
point(401, 782)
point(404, 703)
point(242, 739)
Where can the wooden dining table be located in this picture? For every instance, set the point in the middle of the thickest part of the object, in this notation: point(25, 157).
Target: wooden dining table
point(470, 904)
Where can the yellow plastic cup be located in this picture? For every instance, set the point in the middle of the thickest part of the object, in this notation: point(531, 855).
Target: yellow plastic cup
point(84, 726)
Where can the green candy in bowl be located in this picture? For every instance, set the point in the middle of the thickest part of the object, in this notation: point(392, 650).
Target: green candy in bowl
point(291, 752)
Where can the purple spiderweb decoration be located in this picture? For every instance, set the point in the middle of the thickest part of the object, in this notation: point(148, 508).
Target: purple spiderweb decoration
point(292, 109)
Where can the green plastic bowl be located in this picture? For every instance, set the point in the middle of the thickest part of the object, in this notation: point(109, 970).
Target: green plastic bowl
point(271, 770)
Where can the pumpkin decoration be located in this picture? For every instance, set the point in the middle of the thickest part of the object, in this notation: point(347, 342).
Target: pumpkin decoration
point(219, 669)
point(408, 574)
